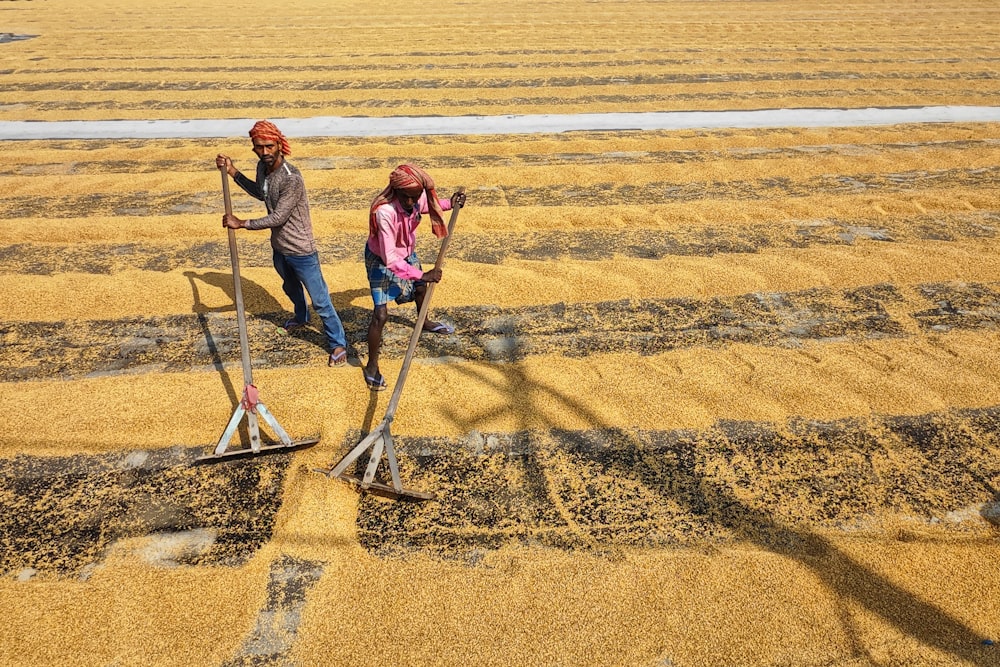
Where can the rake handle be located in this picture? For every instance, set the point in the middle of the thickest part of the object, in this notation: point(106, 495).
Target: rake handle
point(234, 258)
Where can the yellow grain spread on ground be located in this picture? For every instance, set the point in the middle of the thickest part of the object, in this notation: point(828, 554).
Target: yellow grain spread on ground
point(741, 604)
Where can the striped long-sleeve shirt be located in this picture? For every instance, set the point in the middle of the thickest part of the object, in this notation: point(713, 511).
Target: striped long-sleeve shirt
point(284, 194)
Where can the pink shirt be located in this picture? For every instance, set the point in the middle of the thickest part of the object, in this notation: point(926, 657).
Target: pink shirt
point(396, 237)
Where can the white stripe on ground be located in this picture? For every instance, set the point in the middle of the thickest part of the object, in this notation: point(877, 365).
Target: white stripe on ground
point(333, 126)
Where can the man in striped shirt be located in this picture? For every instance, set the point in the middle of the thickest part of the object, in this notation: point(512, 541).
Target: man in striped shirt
point(282, 189)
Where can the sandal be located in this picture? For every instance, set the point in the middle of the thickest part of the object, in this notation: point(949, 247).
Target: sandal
point(293, 324)
point(376, 383)
point(439, 328)
point(338, 358)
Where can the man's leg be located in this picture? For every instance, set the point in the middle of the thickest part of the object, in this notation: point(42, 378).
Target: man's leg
point(375, 327)
point(419, 291)
point(292, 287)
point(308, 270)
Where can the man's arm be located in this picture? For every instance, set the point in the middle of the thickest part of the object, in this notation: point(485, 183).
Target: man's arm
point(292, 191)
point(250, 187)
point(395, 258)
point(425, 207)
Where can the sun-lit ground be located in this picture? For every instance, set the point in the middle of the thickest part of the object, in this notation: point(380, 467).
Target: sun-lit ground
point(722, 397)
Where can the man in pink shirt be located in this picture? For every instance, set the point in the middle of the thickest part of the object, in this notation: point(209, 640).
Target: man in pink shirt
point(394, 272)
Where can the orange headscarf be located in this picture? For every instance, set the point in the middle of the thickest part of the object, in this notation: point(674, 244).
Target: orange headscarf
point(266, 130)
point(412, 178)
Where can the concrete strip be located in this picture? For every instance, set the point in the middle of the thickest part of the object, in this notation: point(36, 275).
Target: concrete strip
point(333, 126)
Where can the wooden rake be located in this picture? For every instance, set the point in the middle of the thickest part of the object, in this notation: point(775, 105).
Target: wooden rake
point(379, 440)
point(250, 405)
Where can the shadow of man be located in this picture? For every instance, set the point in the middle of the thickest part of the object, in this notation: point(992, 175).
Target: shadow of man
point(254, 296)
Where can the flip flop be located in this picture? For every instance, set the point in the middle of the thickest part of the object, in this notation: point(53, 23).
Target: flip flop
point(441, 328)
point(376, 383)
point(338, 358)
point(292, 325)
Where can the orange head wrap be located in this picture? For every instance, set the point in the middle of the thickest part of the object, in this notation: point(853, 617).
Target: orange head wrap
point(266, 130)
point(411, 178)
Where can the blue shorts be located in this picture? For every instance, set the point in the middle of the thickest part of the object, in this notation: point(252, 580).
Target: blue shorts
point(387, 286)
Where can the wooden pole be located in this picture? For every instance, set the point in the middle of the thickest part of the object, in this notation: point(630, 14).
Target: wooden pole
point(253, 428)
point(234, 258)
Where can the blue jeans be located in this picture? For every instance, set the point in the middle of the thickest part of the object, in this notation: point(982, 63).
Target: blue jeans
point(298, 271)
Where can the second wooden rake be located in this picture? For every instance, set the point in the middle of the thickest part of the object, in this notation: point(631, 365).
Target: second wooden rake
point(380, 438)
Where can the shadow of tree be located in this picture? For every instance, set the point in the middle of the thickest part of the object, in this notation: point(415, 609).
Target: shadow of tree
point(680, 482)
